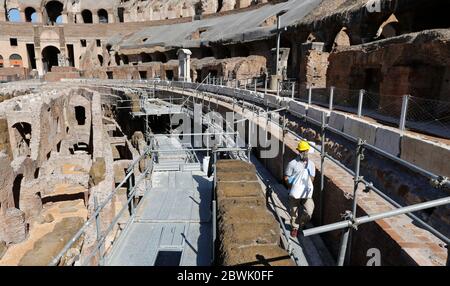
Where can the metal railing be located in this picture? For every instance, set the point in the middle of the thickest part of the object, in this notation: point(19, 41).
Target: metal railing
point(101, 237)
point(425, 115)
point(351, 220)
point(361, 145)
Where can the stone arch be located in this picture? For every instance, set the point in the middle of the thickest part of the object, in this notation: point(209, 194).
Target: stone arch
point(102, 16)
point(146, 58)
point(53, 10)
point(100, 59)
point(159, 57)
point(15, 60)
point(16, 190)
point(50, 57)
point(87, 16)
point(80, 114)
point(313, 37)
point(388, 28)
point(14, 15)
point(30, 15)
point(125, 59)
point(342, 39)
point(219, 5)
point(22, 136)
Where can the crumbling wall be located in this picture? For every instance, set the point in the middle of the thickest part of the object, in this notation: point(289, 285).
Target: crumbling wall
point(413, 64)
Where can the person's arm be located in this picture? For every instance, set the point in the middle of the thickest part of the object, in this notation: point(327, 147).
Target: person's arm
point(312, 170)
point(287, 174)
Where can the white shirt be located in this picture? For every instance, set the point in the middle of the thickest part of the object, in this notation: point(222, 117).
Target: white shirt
point(302, 186)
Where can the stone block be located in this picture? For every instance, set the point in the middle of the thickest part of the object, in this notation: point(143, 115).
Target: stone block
point(388, 140)
point(316, 113)
point(337, 120)
point(358, 128)
point(431, 156)
point(298, 107)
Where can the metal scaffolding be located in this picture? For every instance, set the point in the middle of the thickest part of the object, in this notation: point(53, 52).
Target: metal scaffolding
point(350, 220)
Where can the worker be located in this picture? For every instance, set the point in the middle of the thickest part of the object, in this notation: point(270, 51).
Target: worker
point(299, 177)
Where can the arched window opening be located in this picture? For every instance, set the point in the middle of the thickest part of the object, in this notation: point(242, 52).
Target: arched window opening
point(219, 5)
point(102, 16)
point(159, 57)
point(30, 15)
point(54, 12)
point(146, 58)
point(100, 59)
point(80, 115)
point(87, 16)
point(1, 61)
point(22, 136)
point(388, 28)
point(50, 57)
point(16, 190)
point(15, 60)
point(14, 15)
point(341, 40)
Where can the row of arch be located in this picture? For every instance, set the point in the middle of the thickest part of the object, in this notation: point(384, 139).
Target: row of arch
point(49, 58)
point(15, 60)
point(53, 12)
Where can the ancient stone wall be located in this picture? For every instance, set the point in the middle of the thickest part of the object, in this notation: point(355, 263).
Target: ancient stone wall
point(248, 233)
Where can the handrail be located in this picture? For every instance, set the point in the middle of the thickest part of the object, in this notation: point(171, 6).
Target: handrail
point(443, 181)
point(351, 221)
point(354, 222)
point(69, 244)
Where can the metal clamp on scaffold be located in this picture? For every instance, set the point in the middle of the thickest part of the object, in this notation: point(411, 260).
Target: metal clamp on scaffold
point(348, 215)
point(442, 183)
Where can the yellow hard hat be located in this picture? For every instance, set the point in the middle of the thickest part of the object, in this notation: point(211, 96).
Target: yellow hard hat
point(303, 146)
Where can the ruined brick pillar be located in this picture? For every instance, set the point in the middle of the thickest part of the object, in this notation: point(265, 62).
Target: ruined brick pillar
point(313, 65)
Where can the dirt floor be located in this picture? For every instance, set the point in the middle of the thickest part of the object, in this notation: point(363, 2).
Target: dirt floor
point(49, 222)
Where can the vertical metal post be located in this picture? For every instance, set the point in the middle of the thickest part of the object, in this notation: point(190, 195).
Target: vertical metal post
point(404, 112)
point(356, 181)
point(322, 175)
point(131, 184)
point(214, 220)
point(293, 90)
point(343, 249)
point(215, 166)
point(98, 229)
point(278, 87)
point(255, 85)
point(331, 98)
point(265, 86)
point(309, 95)
point(284, 143)
point(360, 102)
point(249, 144)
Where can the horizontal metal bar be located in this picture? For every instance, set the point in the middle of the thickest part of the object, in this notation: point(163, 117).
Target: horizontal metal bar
point(193, 134)
point(201, 149)
point(88, 222)
point(373, 217)
point(412, 216)
point(403, 210)
point(401, 161)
